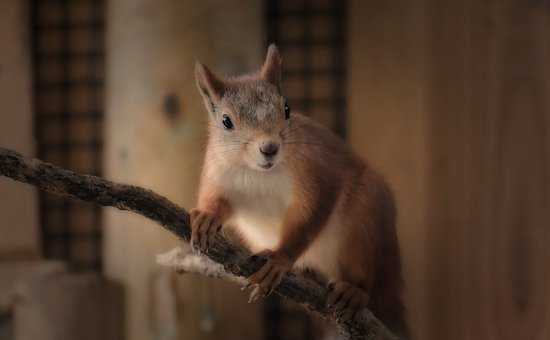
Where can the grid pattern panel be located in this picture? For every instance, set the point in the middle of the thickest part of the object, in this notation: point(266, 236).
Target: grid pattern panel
point(68, 104)
point(311, 36)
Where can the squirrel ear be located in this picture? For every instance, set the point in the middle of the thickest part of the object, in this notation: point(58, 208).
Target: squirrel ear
point(210, 86)
point(272, 68)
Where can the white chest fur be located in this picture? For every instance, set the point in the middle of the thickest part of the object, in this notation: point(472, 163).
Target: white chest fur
point(259, 201)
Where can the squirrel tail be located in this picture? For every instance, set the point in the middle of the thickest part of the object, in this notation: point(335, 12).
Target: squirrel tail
point(386, 295)
point(387, 305)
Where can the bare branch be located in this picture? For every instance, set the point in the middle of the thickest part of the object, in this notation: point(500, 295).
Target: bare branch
point(235, 260)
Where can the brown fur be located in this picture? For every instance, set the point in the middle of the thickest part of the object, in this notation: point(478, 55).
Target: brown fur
point(329, 182)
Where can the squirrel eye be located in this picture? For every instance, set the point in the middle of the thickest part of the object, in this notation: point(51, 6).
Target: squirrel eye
point(227, 123)
point(287, 111)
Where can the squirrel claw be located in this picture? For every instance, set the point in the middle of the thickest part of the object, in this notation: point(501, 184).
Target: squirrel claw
point(255, 294)
point(269, 276)
point(346, 300)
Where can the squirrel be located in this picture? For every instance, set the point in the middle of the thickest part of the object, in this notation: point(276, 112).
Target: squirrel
point(297, 194)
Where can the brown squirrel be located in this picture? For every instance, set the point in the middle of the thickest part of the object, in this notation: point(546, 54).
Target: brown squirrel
point(297, 194)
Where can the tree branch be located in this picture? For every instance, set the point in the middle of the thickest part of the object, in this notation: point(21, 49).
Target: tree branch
point(175, 219)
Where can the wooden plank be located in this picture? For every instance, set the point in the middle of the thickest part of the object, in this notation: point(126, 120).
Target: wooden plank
point(450, 99)
point(488, 182)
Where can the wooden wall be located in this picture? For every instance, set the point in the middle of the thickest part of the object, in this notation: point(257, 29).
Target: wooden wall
point(451, 99)
point(19, 228)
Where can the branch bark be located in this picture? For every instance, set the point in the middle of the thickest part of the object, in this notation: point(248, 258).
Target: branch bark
point(235, 260)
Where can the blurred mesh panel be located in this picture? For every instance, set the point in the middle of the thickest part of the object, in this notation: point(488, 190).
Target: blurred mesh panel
point(68, 53)
point(312, 38)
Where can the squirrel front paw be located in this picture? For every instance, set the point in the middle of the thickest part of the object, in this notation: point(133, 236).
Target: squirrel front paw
point(269, 276)
point(346, 300)
point(204, 226)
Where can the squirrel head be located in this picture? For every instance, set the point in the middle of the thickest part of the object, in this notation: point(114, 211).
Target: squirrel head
point(249, 118)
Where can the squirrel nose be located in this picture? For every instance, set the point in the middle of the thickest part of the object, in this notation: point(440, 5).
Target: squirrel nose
point(269, 149)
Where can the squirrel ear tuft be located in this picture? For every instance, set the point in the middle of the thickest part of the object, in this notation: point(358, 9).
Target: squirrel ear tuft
point(210, 86)
point(272, 68)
